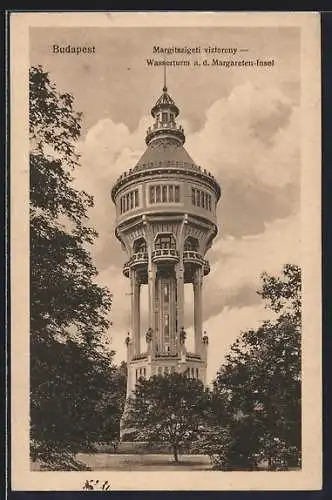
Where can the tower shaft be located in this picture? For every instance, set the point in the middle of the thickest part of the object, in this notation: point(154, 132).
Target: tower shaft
point(166, 222)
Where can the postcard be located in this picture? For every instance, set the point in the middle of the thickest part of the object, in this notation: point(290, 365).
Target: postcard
point(165, 251)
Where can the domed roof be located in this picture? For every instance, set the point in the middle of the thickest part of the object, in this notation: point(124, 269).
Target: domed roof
point(162, 150)
point(164, 140)
point(165, 98)
point(165, 101)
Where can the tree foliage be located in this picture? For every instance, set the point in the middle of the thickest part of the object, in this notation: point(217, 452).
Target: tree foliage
point(73, 381)
point(65, 300)
point(169, 409)
point(259, 384)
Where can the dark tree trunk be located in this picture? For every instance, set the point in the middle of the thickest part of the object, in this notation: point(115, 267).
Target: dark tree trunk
point(175, 453)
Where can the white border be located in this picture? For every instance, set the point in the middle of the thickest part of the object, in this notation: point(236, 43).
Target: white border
point(310, 477)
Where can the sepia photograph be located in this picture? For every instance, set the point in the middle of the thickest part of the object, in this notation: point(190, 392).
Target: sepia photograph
point(168, 275)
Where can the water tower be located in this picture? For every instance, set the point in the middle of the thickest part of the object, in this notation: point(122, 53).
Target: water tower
point(166, 222)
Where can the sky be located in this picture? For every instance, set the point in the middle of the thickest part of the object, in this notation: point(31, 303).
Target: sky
point(242, 124)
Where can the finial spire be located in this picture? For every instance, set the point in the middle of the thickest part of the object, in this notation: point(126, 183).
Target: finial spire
point(165, 86)
point(165, 112)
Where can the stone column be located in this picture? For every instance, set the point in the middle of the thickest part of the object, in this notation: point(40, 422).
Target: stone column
point(180, 300)
point(152, 301)
point(198, 303)
point(180, 281)
point(132, 299)
point(172, 315)
point(137, 321)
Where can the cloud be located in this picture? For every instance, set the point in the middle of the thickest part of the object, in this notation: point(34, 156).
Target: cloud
point(250, 141)
point(107, 150)
point(239, 262)
point(250, 129)
point(113, 278)
point(224, 328)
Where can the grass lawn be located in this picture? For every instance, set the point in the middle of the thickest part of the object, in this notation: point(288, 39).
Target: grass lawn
point(135, 462)
point(138, 462)
point(106, 461)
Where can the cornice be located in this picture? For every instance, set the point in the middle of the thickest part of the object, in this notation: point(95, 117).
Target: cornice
point(146, 171)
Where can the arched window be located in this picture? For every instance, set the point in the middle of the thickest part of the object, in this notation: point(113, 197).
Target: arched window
point(136, 200)
point(152, 194)
point(191, 244)
point(158, 188)
point(207, 201)
point(165, 240)
point(140, 246)
point(164, 194)
point(203, 199)
point(193, 196)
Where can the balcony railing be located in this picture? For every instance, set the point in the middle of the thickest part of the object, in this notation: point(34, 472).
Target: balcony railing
point(165, 255)
point(126, 269)
point(139, 259)
point(166, 125)
point(193, 355)
point(166, 355)
point(191, 257)
point(141, 355)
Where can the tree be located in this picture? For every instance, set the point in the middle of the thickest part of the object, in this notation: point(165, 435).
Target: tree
point(169, 409)
point(216, 436)
point(65, 300)
point(260, 385)
point(70, 369)
point(110, 405)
